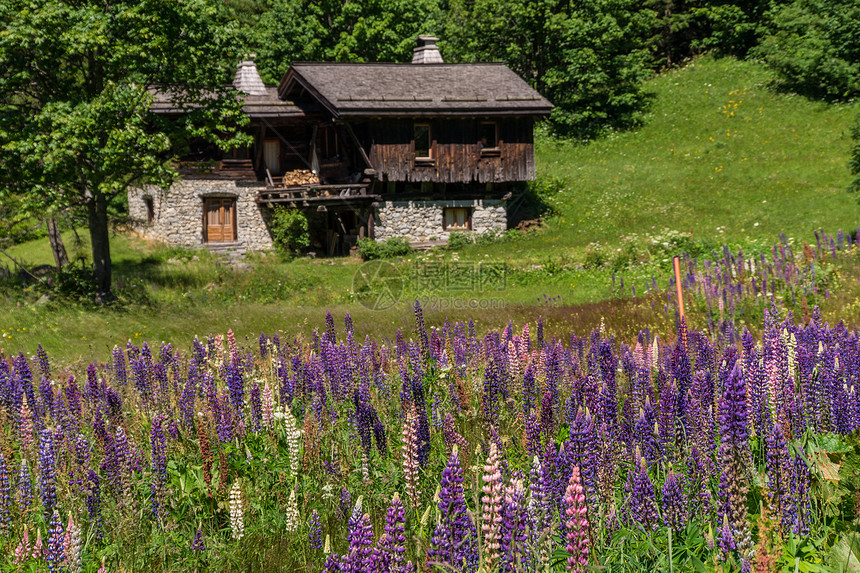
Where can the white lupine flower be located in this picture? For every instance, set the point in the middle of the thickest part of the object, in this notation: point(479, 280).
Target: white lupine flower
point(292, 513)
point(268, 407)
point(237, 514)
point(293, 436)
point(73, 546)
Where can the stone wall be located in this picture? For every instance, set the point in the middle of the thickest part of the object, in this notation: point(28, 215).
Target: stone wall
point(179, 212)
point(422, 220)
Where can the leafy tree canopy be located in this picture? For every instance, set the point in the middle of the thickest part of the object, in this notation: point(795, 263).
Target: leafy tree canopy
point(356, 31)
point(814, 47)
point(76, 83)
point(588, 57)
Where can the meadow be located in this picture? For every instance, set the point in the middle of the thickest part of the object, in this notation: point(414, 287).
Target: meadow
point(721, 160)
point(439, 449)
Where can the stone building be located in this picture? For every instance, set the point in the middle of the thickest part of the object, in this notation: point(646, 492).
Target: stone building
point(366, 150)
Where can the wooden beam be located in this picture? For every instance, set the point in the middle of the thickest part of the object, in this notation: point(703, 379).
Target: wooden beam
point(288, 144)
point(261, 138)
point(358, 144)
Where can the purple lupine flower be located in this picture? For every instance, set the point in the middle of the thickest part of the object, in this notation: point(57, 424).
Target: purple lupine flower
point(421, 328)
point(727, 542)
point(641, 499)
point(391, 550)
point(256, 408)
point(119, 372)
point(25, 487)
point(800, 485)
point(44, 365)
point(94, 504)
point(47, 473)
point(673, 502)
point(83, 454)
point(5, 496)
point(55, 554)
point(453, 544)
point(546, 417)
point(236, 385)
point(779, 471)
point(529, 395)
point(576, 522)
point(450, 434)
point(315, 531)
point(158, 486)
point(734, 456)
point(533, 431)
point(515, 525)
point(359, 557)
point(197, 543)
point(345, 501)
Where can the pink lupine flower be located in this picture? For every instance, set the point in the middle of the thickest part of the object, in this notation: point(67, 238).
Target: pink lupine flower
point(491, 507)
point(25, 431)
point(410, 456)
point(231, 342)
point(577, 523)
point(23, 551)
point(38, 549)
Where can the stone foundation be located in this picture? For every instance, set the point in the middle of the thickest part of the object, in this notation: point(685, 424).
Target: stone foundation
point(178, 212)
point(178, 215)
point(423, 220)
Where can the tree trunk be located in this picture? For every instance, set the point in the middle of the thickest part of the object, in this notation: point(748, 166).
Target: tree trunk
point(57, 246)
point(99, 236)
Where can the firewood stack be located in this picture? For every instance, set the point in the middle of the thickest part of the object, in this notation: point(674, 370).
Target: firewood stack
point(300, 177)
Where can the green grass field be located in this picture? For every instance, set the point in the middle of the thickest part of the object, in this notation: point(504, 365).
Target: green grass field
point(721, 159)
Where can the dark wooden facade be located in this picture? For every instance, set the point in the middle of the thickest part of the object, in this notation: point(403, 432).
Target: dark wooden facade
point(457, 155)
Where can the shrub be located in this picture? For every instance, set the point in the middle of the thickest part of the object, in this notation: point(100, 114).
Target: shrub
point(595, 256)
point(370, 249)
point(290, 231)
point(459, 239)
point(812, 50)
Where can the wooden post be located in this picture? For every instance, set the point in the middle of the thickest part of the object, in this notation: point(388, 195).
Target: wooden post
point(676, 262)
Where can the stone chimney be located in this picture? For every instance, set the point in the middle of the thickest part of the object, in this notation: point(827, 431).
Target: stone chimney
point(426, 51)
point(248, 79)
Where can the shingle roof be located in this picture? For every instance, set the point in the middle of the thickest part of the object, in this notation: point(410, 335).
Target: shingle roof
point(268, 105)
point(248, 79)
point(407, 89)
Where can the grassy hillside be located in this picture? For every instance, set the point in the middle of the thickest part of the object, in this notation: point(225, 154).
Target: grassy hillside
point(722, 158)
point(721, 155)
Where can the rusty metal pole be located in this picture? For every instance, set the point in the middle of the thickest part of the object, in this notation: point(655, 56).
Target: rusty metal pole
point(676, 262)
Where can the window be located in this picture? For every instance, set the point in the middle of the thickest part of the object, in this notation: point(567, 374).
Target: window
point(150, 210)
point(423, 139)
point(488, 137)
point(457, 218)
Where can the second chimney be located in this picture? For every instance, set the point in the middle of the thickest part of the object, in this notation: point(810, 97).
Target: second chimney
point(426, 51)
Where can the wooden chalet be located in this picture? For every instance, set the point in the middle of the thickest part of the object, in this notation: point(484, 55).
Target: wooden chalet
point(378, 150)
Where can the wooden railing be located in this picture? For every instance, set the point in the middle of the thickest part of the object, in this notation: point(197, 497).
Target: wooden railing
point(317, 193)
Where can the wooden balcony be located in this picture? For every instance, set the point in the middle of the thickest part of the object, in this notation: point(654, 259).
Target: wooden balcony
point(345, 194)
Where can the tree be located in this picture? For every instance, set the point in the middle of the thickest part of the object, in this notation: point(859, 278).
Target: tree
point(589, 57)
point(814, 47)
point(335, 31)
point(76, 83)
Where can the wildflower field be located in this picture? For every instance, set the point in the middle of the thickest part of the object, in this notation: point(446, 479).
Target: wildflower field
point(439, 449)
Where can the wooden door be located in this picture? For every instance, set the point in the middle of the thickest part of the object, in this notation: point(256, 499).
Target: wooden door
point(219, 219)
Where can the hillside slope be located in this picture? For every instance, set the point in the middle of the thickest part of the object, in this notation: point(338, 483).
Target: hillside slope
point(721, 155)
